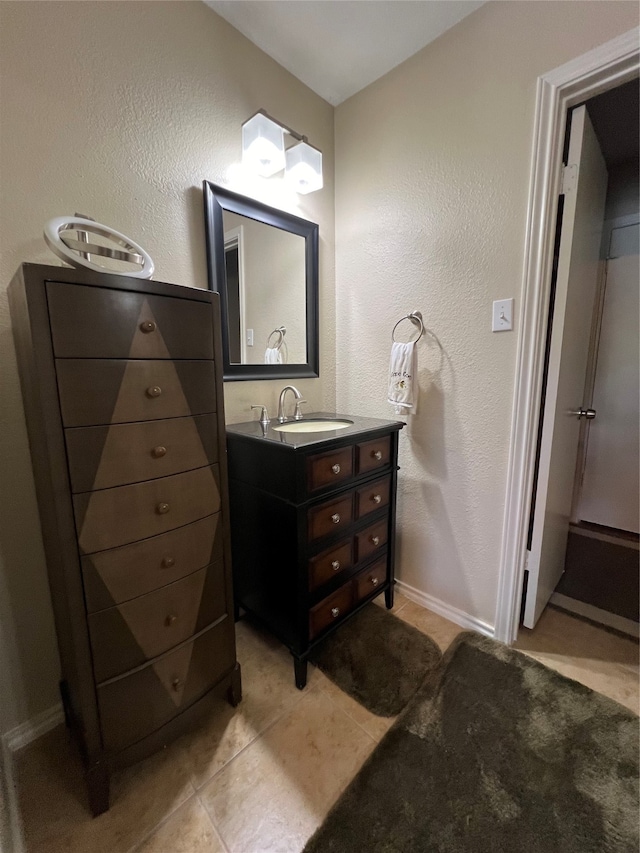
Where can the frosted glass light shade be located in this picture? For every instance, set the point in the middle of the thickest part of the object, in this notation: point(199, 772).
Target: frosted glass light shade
point(262, 145)
point(304, 168)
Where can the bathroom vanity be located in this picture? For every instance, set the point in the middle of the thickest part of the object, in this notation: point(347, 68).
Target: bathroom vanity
point(312, 523)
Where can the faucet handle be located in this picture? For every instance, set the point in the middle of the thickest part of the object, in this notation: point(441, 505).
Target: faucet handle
point(264, 415)
point(297, 414)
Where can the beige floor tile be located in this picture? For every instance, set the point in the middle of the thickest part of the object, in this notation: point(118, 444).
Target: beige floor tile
point(53, 799)
point(441, 630)
point(257, 650)
point(375, 726)
point(399, 601)
point(275, 793)
point(188, 830)
point(600, 659)
point(268, 693)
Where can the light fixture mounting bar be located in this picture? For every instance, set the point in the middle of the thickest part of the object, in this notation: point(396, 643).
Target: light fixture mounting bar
point(285, 127)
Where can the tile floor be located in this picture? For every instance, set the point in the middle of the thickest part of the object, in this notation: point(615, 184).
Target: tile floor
point(260, 778)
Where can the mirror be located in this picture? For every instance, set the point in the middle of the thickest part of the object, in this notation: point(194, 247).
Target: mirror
point(264, 264)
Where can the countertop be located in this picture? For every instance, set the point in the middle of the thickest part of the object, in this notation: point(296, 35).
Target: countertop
point(359, 426)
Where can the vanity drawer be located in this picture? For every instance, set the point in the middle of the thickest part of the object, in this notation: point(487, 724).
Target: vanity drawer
point(325, 469)
point(330, 516)
point(105, 391)
point(330, 609)
point(330, 563)
point(96, 322)
point(137, 704)
point(104, 456)
point(132, 633)
point(111, 577)
point(371, 497)
point(366, 582)
point(373, 454)
point(372, 539)
point(113, 517)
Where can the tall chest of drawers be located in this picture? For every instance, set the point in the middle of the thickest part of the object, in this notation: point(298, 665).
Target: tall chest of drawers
point(313, 525)
point(121, 381)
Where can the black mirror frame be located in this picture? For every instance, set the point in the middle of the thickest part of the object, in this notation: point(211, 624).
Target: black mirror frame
point(218, 199)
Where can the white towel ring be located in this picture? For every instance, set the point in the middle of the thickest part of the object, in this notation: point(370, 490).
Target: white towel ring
point(416, 319)
point(280, 331)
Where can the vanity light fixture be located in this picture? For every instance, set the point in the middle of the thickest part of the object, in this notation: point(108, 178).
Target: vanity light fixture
point(263, 151)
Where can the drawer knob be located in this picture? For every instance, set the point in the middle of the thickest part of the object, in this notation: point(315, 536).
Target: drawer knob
point(335, 518)
point(376, 499)
point(148, 326)
point(377, 454)
point(335, 468)
point(176, 684)
point(168, 562)
point(169, 621)
point(335, 612)
point(375, 540)
point(335, 565)
point(162, 508)
point(374, 581)
point(154, 391)
point(159, 451)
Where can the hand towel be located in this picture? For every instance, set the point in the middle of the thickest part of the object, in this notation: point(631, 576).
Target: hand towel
point(272, 355)
point(403, 378)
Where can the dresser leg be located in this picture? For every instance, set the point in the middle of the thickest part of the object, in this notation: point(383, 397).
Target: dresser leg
point(66, 703)
point(97, 778)
point(300, 670)
point(234, 693)
point(388, 597)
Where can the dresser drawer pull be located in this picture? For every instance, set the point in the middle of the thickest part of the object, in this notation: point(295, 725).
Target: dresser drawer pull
point(374, 581)
point(170, 620)
point(335, 612)
point(377, 454)
point(176, 684)
point(148, 326)
point(335, 518)
point(154, 391)
point(335, 565)
point(375, 540)
point(168, 562)
point(159, 451)
point(335, 468)
point(376, 498)
point(162, 508)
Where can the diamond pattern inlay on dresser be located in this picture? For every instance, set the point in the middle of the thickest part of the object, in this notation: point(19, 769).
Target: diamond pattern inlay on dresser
point(123, 395)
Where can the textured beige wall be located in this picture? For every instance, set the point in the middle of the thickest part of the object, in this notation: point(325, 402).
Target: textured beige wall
point(432, 171)
point(120, 110)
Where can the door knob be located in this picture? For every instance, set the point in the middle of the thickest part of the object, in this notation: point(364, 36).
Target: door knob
point(589, 414)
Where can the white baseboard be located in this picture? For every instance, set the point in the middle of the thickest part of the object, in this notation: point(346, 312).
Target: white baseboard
point(34, 728)
point(459, 617)
point(611, 620)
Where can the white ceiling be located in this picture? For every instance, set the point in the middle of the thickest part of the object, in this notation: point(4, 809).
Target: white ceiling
point(338, 47)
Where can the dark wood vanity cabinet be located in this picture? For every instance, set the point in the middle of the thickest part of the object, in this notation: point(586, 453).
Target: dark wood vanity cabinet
point(121, 381)
point(312, 526)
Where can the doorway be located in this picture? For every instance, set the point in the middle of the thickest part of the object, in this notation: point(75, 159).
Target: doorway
point(602, 69)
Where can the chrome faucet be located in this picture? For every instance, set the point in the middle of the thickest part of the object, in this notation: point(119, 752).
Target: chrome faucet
point(297, 415)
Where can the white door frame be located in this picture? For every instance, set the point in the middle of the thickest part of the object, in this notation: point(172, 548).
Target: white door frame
point(603, 68)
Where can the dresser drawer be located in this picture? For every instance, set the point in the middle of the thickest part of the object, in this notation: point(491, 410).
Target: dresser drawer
point(373, 454)
point(366, 582)
point(330, 516)
point(372, 539)
point(111, 577)
point(100, 457)
point(371, 497)
point(106, 391)
point(330, 609)
point(96, 322)
point(330, 563)
point(137, 704)
point(325, 469)
point(113, 517)
point(126, 636)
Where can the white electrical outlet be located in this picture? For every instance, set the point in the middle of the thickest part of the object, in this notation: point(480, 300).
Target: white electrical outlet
point(502, 315)
point(249, 337)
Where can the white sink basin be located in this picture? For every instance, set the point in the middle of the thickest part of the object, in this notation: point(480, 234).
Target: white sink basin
point(312, 425)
